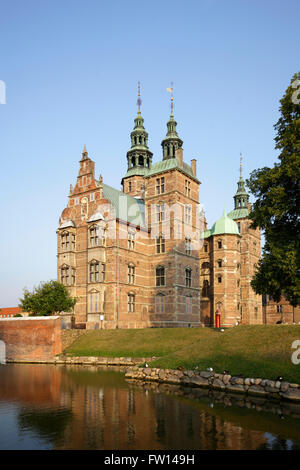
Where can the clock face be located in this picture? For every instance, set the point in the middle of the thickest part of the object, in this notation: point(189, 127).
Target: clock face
point(84, 200)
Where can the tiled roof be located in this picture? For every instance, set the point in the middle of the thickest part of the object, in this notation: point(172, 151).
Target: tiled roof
point(127, 207)
point(10, 310)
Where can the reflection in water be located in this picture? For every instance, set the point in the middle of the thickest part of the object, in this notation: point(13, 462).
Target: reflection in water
point(44, 406)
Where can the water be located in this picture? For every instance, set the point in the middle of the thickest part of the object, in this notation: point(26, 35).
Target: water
point(59, 407)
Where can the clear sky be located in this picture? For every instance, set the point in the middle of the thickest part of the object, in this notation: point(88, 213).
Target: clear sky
point(71, 69)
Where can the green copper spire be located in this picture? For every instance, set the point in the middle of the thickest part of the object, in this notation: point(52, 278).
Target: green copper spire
point(139, 155)
point(172, 141)
point(241, 197)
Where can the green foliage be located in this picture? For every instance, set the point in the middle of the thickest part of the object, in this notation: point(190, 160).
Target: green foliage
point(277, 206)
point(17, 315)
point(48, 298)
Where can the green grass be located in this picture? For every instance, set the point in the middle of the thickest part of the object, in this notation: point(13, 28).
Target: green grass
point(253, 350)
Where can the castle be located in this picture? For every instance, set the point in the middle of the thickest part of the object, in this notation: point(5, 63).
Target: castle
point(144, 257)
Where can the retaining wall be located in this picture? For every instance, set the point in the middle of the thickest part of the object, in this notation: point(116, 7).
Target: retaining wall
point(31, 338)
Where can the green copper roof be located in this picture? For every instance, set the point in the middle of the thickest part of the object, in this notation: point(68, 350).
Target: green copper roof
point(136, 170)
point(127, 207)
point(225, 225)
point(239, 213)
point(170, 164)
point(206, 234)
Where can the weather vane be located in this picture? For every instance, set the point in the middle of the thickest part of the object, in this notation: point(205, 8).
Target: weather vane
point(139, 101)
point(170, 90)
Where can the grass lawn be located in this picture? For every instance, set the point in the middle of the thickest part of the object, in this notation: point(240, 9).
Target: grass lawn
point(250, 350)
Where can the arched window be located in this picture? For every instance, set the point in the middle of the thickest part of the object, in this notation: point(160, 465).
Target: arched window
point(219, 244)
point(220, 279)
point(133, 161)
point(141, 160)
point(219, 263)
point(239, 226)
point(159, 303)
point(160, 276)
point(188, 277)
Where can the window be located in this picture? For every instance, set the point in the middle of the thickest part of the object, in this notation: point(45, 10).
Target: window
point(188, 304)
point(95, 274)
point(188, 213)
point(160, 185)
point(131, 302)
point(131, 240)
point(205, 288)
point(73, 241)
point(188, 277)
point(206, 248)
point(219, 263)
point(219, 244)
point(279, 309)
point(92, 197)
point(97, 236)
point(187, 188)
point(141, 159)
point(94, 271)
point(76, 201)
point(239, 226)
point(238, 283)
point(160, 244)
point(255, 312)
point(65, 241)
point(160, 212)
point(94, 302)
point(129, 186)
point(188, 246)
point(65, 275)
point(159, 303)
point(73, 276)
point(131, 274)
point(219, 279)
point(160, 276)
point(94, 236)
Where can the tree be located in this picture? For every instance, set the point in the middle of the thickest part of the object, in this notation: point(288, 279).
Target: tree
point(48, 298)
point(277, 206)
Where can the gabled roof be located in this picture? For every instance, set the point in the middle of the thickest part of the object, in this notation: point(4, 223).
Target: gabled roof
point(128, 208)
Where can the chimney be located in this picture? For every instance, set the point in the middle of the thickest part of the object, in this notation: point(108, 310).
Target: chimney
point(193, 165)
point(179, 156)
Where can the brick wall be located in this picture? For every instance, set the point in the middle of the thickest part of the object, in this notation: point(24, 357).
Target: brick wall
point(31, 338)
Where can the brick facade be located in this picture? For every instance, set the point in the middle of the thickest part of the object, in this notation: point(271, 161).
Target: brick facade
point(126, 276)
point(31, 338)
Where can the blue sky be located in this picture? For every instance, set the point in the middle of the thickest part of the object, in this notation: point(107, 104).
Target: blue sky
point(71, 69)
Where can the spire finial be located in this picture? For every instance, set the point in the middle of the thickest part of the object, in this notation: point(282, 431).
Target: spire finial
point(139, 101)
point(241, 160)
point(170, 90)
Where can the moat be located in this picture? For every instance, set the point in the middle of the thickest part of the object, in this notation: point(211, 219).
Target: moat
point(62, 407)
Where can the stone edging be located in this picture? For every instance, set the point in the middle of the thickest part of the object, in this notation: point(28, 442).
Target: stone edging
point(224, 382)
point(88, 360)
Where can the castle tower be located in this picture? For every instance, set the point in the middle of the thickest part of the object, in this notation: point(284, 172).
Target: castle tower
point(250, 249)
point(139, 157)
point(172, 142)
